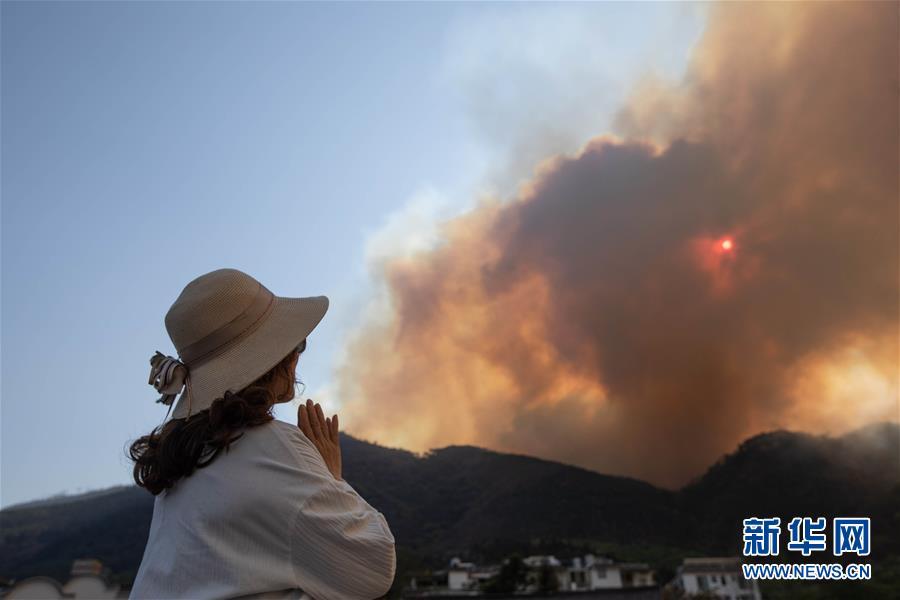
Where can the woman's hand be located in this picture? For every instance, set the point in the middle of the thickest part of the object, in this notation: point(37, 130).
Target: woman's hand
point(323, 433)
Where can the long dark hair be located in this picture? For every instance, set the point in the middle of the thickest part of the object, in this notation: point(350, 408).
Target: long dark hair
point(178, 447)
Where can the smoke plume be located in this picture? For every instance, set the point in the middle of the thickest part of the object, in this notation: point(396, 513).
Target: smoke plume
point(726, 263)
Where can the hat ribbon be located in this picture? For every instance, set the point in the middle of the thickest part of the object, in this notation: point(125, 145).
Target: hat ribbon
point(168, 375)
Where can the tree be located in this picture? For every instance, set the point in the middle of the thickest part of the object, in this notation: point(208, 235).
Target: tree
point(547, 580)
point(511, 575)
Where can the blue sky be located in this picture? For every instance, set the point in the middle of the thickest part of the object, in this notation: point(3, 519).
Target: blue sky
point(144, 144)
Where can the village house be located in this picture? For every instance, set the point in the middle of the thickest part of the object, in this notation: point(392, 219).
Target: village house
point(596, 573)
point(718, 577)
point(579, 574)
point(468, 576)
point(87, 579)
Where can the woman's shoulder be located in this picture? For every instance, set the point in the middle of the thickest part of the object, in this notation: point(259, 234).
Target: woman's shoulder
point(288, 431)
point(285, 448)
point(287, 436)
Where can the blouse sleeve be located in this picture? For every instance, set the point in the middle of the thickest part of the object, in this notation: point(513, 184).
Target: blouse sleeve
point(341, 547)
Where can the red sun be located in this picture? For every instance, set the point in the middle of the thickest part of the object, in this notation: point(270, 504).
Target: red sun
point(727, 245)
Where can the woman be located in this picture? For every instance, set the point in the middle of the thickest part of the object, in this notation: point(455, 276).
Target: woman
point(247, 505)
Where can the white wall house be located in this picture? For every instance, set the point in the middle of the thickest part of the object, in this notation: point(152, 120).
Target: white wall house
point(721, 577)
point(597, 573)
point(578, 574)
point(603, 573)
point(462, 576)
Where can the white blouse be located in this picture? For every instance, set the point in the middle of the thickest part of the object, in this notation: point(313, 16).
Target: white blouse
point(266, 520)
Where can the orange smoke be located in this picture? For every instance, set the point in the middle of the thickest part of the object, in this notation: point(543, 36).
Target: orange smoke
point(599, 318)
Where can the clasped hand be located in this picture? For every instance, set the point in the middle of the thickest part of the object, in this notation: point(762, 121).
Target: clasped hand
point(323, 433)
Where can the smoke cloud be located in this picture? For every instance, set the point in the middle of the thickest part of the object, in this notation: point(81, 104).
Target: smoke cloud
point(726, 263)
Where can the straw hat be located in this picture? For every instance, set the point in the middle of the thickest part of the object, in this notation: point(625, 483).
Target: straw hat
point(228, 330)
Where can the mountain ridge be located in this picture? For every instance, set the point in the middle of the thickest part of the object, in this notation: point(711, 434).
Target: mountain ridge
point(63, 497)
point(479, 503)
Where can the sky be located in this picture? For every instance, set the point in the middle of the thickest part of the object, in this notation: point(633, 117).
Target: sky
point(144, 144)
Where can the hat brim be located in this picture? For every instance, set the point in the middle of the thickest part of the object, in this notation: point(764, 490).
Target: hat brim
point(290, 322)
